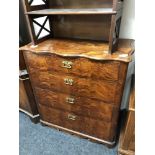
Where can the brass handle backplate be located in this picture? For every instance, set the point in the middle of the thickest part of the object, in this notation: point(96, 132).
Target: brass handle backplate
point(71, 117)
point(67, 64)
point(70, 100)
point(68, 81)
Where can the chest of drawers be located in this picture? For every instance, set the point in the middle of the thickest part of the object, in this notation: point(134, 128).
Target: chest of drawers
point(79, 92)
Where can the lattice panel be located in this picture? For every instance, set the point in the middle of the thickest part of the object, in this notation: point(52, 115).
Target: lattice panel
point(36, 2)
point(41, 27)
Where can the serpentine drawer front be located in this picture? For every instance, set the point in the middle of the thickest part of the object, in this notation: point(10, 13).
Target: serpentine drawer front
point(106, 70)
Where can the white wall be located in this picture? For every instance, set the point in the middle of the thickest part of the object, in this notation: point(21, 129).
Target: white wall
point(127, 31)
point(128, 20)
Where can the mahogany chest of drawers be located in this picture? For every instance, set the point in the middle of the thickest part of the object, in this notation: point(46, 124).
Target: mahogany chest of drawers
point(78, 88)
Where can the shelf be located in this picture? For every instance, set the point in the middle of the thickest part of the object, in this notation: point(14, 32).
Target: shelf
point(60, 11)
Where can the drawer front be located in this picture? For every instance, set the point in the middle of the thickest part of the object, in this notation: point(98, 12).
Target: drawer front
point(79, 105)
point(85, 125)
point(75, 86)
point(82, 67)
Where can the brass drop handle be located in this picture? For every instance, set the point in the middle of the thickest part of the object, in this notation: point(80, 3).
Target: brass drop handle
point(68, 81)
point(70, 100)
point(71, 117)
point(67, 64)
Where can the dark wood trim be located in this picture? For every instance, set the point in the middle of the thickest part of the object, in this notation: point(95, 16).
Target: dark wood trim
point(112, 29)
point(29, 23)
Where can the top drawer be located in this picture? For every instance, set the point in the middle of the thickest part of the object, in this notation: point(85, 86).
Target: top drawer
point(82, 67)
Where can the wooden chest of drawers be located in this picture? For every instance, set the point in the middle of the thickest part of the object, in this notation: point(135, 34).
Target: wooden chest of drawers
point(78, 92)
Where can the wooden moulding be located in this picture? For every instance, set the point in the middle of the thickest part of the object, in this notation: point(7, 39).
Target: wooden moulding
point(77, 48)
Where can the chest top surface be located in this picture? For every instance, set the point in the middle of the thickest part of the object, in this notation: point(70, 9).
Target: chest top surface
point(77, 48)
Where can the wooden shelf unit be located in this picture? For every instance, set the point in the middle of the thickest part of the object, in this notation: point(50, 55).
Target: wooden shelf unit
point(99, 21)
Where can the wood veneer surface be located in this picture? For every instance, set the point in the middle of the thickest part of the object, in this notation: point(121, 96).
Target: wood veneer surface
point(88, 49)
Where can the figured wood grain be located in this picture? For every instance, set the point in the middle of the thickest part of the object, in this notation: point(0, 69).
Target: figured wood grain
point(54, 81)
point(121, 83)
point(49, 76)
point(81, 106)
point(97, 89)
point(81, 67)
point(88, 49)
point(86, 125)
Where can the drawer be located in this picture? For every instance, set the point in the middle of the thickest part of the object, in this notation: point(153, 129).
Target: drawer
point(79, 105)
point(81, 67)
point(75, 86)
point(85, 125)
